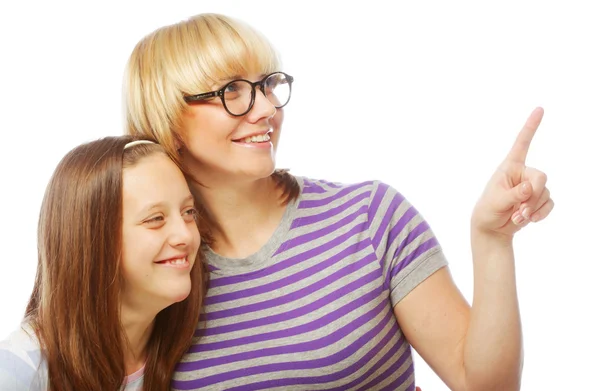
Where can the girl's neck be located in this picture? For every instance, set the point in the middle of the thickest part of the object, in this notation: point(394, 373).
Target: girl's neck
point(138, 326)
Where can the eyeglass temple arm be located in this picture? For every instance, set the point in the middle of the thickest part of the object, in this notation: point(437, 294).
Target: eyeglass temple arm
point(206, 95)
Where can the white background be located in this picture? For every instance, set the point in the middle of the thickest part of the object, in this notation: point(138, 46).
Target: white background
point(427, 96)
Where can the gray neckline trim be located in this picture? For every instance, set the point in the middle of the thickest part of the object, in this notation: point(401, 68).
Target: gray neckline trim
point(262, 256)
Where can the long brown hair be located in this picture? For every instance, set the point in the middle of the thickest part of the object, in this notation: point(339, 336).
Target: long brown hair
point(74, 307)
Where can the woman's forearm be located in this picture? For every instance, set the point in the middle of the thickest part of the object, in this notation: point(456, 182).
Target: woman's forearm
point(493, 351)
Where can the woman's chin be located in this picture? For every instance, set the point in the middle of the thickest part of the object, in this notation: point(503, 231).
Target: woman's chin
point(258, 171)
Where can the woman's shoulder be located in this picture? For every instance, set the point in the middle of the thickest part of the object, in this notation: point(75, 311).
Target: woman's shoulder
point(320, 189)
point(321, 186)
point(21, 363)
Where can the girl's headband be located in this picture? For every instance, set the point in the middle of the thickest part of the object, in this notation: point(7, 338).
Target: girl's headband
point(137, 142)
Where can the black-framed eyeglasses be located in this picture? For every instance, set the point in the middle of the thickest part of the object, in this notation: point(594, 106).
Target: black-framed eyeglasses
point(238, 95)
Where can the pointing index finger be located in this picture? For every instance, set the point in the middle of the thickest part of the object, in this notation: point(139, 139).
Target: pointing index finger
point(518, 152)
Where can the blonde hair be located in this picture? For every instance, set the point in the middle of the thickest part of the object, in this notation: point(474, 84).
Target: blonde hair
point(188, 58)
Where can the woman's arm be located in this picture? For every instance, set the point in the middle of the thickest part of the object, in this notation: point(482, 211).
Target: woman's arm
point(480, 348)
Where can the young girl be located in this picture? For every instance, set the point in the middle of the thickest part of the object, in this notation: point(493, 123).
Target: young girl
point(118, 289)
point(316, 284)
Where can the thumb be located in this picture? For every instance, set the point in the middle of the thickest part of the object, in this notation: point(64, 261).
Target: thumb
point(518, 194)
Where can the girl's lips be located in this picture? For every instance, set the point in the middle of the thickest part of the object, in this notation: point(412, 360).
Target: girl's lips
point(177, 263)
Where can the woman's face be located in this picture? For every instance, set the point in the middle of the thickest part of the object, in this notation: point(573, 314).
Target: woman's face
point(160, 236)
point(219, 146)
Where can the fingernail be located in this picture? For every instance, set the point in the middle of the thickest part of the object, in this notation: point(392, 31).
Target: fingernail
point(518, 219)
point(524, 188)
point(534, 218)
point(526, 212)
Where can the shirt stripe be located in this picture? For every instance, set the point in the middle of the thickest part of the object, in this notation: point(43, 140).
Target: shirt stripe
point(313, 309)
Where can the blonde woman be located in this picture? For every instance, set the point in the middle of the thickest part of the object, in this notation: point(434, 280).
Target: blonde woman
point(316, 284)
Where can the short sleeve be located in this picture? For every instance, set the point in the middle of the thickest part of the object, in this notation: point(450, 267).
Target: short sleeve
point(21, 366)
point(406, 246)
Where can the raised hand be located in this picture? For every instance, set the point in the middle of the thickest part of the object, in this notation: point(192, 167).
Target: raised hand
point(515, 194)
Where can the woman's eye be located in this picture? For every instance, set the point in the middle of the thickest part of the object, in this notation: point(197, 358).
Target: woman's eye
point(272, 83)
point(233, 87)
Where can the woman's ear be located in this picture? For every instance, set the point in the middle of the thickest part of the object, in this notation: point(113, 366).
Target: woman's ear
point(178, 141)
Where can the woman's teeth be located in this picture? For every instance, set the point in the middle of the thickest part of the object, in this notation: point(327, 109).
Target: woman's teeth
point(257, 139)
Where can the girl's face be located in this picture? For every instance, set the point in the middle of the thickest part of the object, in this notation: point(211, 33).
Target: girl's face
point(160, 236)
point(221, 147)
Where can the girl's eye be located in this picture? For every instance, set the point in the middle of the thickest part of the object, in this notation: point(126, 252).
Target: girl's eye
point(155, 221)
point(190, 214)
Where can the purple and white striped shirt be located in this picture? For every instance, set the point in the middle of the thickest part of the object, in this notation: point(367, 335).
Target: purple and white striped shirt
point(313, 309)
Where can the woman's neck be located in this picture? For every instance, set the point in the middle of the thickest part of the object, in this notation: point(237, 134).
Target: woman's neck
point(246, 215)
